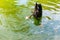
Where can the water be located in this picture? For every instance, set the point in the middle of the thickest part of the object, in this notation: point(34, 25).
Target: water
point(14, 26)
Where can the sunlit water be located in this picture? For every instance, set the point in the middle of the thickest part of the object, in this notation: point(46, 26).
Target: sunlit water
point(50, 29)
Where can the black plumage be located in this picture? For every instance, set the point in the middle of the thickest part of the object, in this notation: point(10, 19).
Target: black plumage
point(38, 11)
point(37, 14)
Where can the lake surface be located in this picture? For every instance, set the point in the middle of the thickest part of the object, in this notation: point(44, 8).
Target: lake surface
point(14, 26)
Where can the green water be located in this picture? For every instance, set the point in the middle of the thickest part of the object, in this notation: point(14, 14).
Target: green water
point(14, 26)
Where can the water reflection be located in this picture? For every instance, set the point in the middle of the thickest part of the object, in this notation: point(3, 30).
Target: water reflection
point(49, 31)
point(51, 28)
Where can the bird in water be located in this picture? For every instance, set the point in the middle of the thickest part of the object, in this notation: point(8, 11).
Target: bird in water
point(37, 14)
